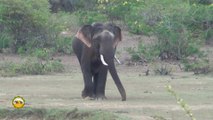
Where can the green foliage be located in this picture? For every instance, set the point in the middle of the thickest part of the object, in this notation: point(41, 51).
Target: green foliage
point(29, 25)
point(141, 19)
point(53, 66)
point(205, 2)
point(5, 40)
point(116, 9)
point(197, 65)
point(135, 56)
point(175, 39)
point(181, 27)
point(181, 102)
point(57, 114)
point(24, 20)
point(144, 52)
point(59, 23)
point(43, 54)
point(71, 5)
point(34, 66)
point(209, 36)
point(64, 45)
point(8, 69)
point(30, 66)
point(128, 11)
point(89, 17)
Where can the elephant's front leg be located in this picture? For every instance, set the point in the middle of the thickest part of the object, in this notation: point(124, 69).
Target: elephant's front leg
point(100, 83)
point(88, 84)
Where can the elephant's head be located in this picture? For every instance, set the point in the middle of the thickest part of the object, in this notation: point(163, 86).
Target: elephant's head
point(103, 39)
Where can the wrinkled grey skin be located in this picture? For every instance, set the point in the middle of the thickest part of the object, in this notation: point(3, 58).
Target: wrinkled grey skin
point(90, 43)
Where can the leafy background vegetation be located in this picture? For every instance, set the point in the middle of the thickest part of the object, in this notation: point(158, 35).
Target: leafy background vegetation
point(181, 27)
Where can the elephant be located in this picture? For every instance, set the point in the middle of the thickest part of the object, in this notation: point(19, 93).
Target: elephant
point(95, 46)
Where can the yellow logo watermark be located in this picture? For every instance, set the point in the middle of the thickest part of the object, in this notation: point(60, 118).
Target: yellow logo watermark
point(18, 102)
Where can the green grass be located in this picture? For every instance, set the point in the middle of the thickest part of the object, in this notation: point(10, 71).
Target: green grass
point(30, 66)
point(56, 114)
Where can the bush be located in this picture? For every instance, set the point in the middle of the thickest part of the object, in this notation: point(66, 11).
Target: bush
point(8, 69)
point(5, 40)
point(205, 2)
point(144, 53)
point(60, 23)
point(57, 23)
point(43, 54)
point(175, 40)
point(64, 45)
point(197, 65)
point(34, 66)
point(142, 19)
point(71, 5)
point(24, 20)
point(181, 28)
point(89, 17)
point(29, 25)
point(30, 66)
point(162, 69)
point(53, 66)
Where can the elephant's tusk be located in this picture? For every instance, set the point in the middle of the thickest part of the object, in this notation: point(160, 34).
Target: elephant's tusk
point(103, 61)
point(119, 62)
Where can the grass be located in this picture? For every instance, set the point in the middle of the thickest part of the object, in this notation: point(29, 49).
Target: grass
point(146, 95)
point(181, 102)
point(30, 66)
point(56, 114)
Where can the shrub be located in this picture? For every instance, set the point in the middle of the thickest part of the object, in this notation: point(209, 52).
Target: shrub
point(30, 66)
point(146, 53)
point(197, 65)
point(64, 45)
point(71, 5)
point(29, 24)
point(43, 54)
point(5, 40)
point(180, 26)
point(34, 66)
point(8, 69)
point(59, 22)
point(205, 2)
point(53, 66)
point(24, 20)
point(176, 40)
point(142, 19)
point(162, 69)
point(135, 56)
point(89, 17)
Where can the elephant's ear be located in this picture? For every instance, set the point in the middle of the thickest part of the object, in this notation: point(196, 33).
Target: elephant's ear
point(118, 35)
point(85, 35)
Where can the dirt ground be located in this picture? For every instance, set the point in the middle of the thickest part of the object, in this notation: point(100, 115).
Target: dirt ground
point(147, 97)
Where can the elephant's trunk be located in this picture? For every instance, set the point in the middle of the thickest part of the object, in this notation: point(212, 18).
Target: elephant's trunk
point(113, 72)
